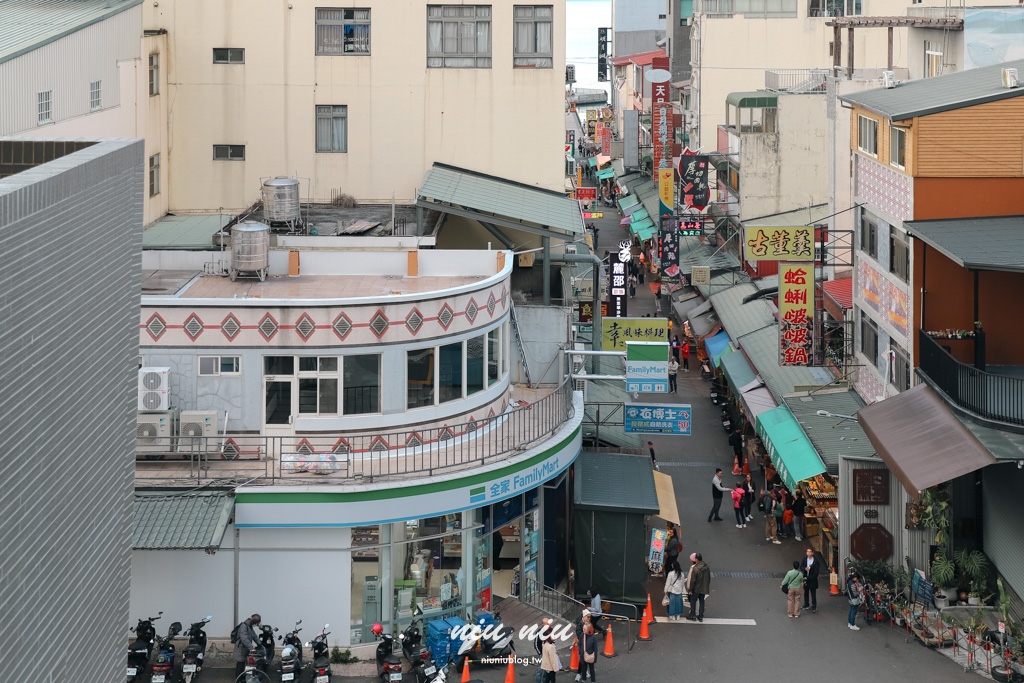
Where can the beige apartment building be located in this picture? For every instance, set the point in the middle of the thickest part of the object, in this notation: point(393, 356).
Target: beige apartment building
point(357, 99)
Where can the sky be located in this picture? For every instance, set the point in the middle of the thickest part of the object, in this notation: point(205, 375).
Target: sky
point(582, 19)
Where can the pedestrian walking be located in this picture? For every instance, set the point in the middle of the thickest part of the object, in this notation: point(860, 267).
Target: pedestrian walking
point(673, 373)
point(777, 512)
point(771, 527)
point(799, 507)
point(677, 347)
point(698, 586)
point(589, 654)
point(654, 459)
point(595, 608)
point(792, 585)
point(748, 499)
point(674, 585)
point(632, 286)
point(736, 441)
point(716, 495)
point(811, 568)
point(686, 357)
point(738, 494)
point(854, 593)
point(549, 660)
point(787, 522)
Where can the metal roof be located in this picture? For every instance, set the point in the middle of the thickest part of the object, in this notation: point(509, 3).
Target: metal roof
point(183, 232)
point(840, 291)
point(708, 255)
point(926, 96)
point(831, 436)
point(762, 348)
point(515, 202)
point(26, 25)
point(981, 243)
point(752, 99)
point(739, 318)
point(181, 521)
point(639, 58)
point(615, 481)
point(1000, 443)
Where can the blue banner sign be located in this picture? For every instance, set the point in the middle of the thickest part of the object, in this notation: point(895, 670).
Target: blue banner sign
point(658, 419)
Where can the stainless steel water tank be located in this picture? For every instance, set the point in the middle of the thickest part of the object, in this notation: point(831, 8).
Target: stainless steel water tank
point(250, 246)
point(281, 199)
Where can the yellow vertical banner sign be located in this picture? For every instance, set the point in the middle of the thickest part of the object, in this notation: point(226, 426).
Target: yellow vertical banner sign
point(666, 191)
point(796, 313)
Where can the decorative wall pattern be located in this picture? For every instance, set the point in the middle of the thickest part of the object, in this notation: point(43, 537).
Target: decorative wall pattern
point(215, 326)
point(886, 190)
point(877, 292)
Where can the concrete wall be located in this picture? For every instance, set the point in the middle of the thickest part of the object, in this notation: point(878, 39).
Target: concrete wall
point(70, 347)
point(637, 15)
point(544, 331)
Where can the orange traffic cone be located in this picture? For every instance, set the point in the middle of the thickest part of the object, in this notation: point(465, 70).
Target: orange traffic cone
point(833, 589)
point(465, 671)
point(574, 659)
point(736, 464)
point(648, 615)
point(746, 466)
point(645, 632)
point(510, 672)
point(609, 645)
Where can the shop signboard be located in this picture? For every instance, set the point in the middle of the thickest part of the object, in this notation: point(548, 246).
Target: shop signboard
point(617, 280)
point(585, 291)
point(647, 367)
point(656, 555)
point(796, 312)
point(693, 179)
point(593, 214)
point(668, 248)
point(606, 141)
point(661, 116)
point(585, 310)
point(778, 243)
point(691, 227)
point(615, 332)
point(666, 191)
point(586, 193)
point(657, 418)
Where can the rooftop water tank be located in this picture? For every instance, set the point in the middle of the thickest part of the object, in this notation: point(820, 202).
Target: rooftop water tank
point(281, 200)
point(250, 249)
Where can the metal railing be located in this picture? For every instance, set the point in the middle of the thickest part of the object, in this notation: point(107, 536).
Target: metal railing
point(551, 601)
point(357, 457)
point(796, 80)
point(994, 397)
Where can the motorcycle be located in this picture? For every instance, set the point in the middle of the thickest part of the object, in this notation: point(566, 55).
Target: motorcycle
point(255, 665)
point(389, 666)
point(714, 393)
point(291, 654)
point(417, 653)
point(321, 656)
point(192, 655)
point(266, 636)
point(727, 419)
point(163, 667)
point(141, 649)
point(495, 648)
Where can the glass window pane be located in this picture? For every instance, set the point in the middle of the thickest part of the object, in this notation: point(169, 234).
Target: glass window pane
point(279, 365)
point(420, 378)
point(329, 364)
point(328, 397)
point(307, 364)
point(492, 356)
point(307, 395)
point(449, 372)
point(229, 364)
point(362, 384)
point(207, 365)
point(474, 365)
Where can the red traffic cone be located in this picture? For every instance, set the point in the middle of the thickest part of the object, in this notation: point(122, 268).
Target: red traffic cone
point(465, 671)
point(648, 615)
point(574, 659)
point(510, 672)
point(645, 632)
point(746, 466)
point(609, 645)
point(736, 465)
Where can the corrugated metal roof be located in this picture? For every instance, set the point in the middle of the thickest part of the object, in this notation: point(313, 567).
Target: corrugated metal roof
point(737, 317)
point(831, 436)
point(982, 243)
point(840, 291)
point(806, 216)
point(762, 348)
point(478, 192)
point(615, 481)
point(941, 93)
point(26, 25)
point(181, 521)
point(640, 58)
point(752, 99)
point(183, 232)
point(706, 255)
point(1001, 444)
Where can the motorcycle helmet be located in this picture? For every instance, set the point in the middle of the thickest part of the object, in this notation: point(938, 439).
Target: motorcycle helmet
point(377, 629)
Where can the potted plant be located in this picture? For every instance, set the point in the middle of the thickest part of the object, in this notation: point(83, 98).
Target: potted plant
point(943, 572)
point(974, 595)
point(973, 570)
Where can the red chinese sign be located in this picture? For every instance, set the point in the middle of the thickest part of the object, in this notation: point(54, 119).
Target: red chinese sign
point(661, 122)
point(796, 313)
point(584, 193)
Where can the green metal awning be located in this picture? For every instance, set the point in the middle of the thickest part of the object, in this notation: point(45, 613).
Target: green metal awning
point(181, 521)
point(615, 481)
point(791, 451)
point(737, 371)
point(639, 215)
point(753, 99)
point(605, 173)
point(627, 201)
point(645, 234)
point(636, 226)
point(592, 162)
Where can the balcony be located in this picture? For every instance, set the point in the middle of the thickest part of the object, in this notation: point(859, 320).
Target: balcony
point(351, 458)
point(998, 398)
point(796, 80)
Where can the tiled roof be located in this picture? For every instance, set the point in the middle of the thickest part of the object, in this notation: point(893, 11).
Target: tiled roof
point(181, 521)
point(841, 291)
point(640, 58)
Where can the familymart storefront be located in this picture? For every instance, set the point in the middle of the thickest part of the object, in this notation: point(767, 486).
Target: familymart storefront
point(424, 550)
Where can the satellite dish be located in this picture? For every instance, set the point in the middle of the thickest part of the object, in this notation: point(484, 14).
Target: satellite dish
point(658, 76)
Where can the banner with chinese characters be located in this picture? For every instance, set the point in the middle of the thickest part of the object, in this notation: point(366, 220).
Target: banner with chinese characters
point(647, 367)
point(661, 122)
point(778, 243)
point(692, 227)
point(666, 191)
point(668, 418)
point(617, 281)
point(796, 313)
point(606, 140)
point(668, 244)
point(615, 332)
point(693, 179)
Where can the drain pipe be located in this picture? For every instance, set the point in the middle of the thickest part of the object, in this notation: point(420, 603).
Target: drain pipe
point(596, 274)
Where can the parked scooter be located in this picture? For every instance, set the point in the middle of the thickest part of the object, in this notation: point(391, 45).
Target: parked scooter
point(321, 656)
point(255, 666)
point(163, 667)
point(714, 393)
point(266, 637)
point(417, 653)
point(389, 666)
point(496, 647)
point(141, 649)
point(192, 655)
point(727, 419)
point(291, 654)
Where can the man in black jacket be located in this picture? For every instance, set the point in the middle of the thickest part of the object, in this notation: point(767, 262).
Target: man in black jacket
point(716, 495)
point(811, 568)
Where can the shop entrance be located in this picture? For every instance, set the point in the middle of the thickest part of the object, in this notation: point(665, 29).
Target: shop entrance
point(515, 545)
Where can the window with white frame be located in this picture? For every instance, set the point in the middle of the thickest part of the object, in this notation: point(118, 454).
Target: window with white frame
point(215, 366)
point(318, 385)
point(459, 36)
point(531, 42)
point(932, 59)
point(154, 175)
point(95, 95)
point(229, 55)
point(44, 110)
point(154, 74)
point(229, 152)
point(854, 8)
point(332, 128)
point(898, 147)
point(900, 366)
point(342, 31)
point(867, 135)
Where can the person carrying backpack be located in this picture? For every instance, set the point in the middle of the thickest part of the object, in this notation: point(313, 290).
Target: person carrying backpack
point(778, 511)
point(767, 505)
point(245, 638)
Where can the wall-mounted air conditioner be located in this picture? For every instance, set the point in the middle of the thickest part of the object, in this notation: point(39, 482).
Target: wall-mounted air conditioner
point(153, 432)
point(196, 431)
point(888, 79)
point(154, 383)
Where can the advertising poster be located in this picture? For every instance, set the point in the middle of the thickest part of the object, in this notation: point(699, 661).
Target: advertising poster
point(656, 418)
point(781, 243)
point(796, 313)
point(668, 247)
point(617, 281)
point(693, 180)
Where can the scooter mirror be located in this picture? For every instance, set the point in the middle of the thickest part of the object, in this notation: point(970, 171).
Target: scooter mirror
point(308, 644)
point(298, 622)
point(326, 626)
point(209, 617)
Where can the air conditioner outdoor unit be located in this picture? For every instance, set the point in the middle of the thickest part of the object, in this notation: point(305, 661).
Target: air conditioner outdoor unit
point(570, 249)
point(153, 432)
point(888, 79)
point(154, 384)
point(1010, 79)
point(196, 431)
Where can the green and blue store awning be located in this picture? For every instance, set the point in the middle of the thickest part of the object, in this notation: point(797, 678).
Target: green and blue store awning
point(790, 450)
